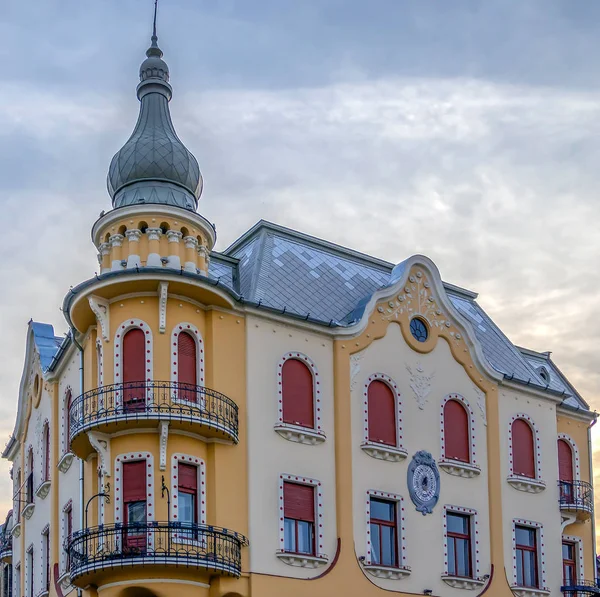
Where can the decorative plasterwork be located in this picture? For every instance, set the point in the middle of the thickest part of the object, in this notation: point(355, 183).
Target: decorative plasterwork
point(43, 489)
point(387, 572)
point(64, 464)
point(316, 390)
point(65, 582)
point(458, 582)
point(302, 560)
point(100, 308)
point(481, 403)
point(540, 555)
point(369, 565)
point(567, 518)
point(101, 443)
point(475, 555)
point(298, 434)
point(526, 484)
point(423, 480)
point(384, 452)
point(458, 468)
point(472, 442)
point(420, 383)
point(16, 530)
point(163, 295)
point(194, 332)
point(355, 361)
point(164, 438)
point(28, 511)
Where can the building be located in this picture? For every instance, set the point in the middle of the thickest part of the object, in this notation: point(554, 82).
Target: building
point(284, 417)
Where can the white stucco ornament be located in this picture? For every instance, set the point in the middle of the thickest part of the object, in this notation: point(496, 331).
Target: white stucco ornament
point(420, 383)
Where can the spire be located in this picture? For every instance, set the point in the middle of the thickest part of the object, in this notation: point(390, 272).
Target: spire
point(154, 166)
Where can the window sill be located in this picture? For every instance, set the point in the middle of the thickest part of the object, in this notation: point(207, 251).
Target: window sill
point(302, 560)
point(43, 490)
point(384, 452)
point(389, 572)
point(529, 591)
point(459, 468)
point(460, 582)
point(526, 484)
point(27, 512)
point(64, 581)
point(43, 593)
point(300, 435)
point(64, 464)
point(16, 530)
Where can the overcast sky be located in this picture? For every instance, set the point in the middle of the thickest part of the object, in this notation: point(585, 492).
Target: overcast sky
point(468, 131)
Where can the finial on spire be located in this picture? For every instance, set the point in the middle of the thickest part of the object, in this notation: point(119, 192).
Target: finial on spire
point(154, 50)
point(154, 36)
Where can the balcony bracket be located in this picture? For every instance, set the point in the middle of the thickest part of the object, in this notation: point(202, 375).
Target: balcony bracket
point(566, 519)
point(101, 443)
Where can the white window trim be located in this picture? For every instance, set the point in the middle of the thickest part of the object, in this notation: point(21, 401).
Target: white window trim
point(450, 465)
point(100, 362)
point(135, 457)
point(43, 554)
point(305, 561)
point(65, 463)
point(378, 570)
point(63, 554)
point(519, 482)
point(476, 580)
point(375, 449)
point(17, 579)
point(201, 494)
point(299, 433)
point(575, 451)
point(580, 560)
point(540, 553)
point(29, 591)
point(193, 331)
point(122, 329)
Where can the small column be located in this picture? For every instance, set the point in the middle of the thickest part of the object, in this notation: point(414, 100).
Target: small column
point(104, 257)
point(190, 242)
point(116, 241)
point(133, 258)
point(154, 235)
point(173, 236)
point(203, 260)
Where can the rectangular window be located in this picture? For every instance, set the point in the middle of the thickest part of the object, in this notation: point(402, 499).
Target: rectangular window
point(458, 530)
point(187, 495)
point(30, 573)
point(17, 580)
point(527, 557)
point(46, 560)
point(569, 563)
point(7, 581)
point(299, 516)
point(384, 532)
point(134, 501)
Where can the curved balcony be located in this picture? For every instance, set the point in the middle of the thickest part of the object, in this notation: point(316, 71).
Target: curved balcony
point(98, 550)
point(578, 588)
point(6, 549)
point(118, 407)
point(576, 497)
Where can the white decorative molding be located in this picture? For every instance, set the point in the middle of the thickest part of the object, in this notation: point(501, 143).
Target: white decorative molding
point(526, 484)
point(391, 573)
point(43, 489)
point(302, 560)
point(28, 511)
point(153, 233)
point(190, 242)
point(133, 259)
point(101, 443)
point(301, 435)
point(16, 530)
point(529, 591)
point(133, 235)
point(164, 437)
point(383, 451)
point(174, 236)
point(458, 468)
point(100, 308)
point(459, 582)
point(65, 581)
point(420, 383)
point(474, 534)
point(567, 518)
point(541, 558)
point(163, 294)
point(355, 361)
point(481, 404)
point(64, 464)
point(116, 240)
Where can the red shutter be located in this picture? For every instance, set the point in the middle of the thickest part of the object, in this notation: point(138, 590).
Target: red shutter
point(134, 481)
point(523, 449)
point(297, 390)
point(456, 431)
point(134, 356)
point(186, 359)
point(299, 501)
point(382, 413)
point(565, 461)
point(187, 477)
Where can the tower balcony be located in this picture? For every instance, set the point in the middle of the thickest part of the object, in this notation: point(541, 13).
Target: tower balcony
point(125, 406)
point(95, 553)
point(576, 498)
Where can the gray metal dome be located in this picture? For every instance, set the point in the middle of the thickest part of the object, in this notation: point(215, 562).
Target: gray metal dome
point(154, 166)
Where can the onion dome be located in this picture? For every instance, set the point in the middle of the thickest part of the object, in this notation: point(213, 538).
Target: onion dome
point(154, 166)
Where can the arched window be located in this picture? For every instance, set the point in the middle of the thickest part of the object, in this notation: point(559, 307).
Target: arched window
point(187, 367)
point(297, 394)
point(46, 453)
point(565, 461)
point(29, 488)
point(134, 370)
point(523, 449)
point(456, 432)
point(381, 413)
point(68, 404)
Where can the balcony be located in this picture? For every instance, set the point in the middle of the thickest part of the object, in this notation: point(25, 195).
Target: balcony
point(576, 498)
point(123, 406)
point(6, 548)
point(579, 588)
point(95, 551)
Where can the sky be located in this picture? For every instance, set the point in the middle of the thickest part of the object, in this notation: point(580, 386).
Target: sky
point(468, 131)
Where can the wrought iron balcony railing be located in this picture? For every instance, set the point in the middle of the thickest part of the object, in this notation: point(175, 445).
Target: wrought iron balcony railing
point(579, 588)
point(214, 549)
point(115, 406)
point(576, 496)
point(6, 548)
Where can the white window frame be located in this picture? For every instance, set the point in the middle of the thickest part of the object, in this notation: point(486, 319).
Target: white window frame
point(520, 482)
point(17, 579)
point(539, 527)
point(63, 553)
point(578, 541)
point(45, 554)
point(29, 572)
point(474, 533)
point(575, 452)
point(194, 332)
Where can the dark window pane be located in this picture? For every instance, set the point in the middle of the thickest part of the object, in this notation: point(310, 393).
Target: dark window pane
point(136, 512)
point(186, 507)
point(388, 546)
point(451, 558)
point(305, 537)
point(525, 536)
point(289, 535)
point(520, 567)
point(463, 557)
point(529, 573)
point(458, 524)
point(375, 543)
point(567, 549)
point(382, 510)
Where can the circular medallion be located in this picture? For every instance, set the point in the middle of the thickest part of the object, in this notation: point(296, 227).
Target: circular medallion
point(423, 482)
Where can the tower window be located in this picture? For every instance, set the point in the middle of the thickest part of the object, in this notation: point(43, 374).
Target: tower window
point(418, 329)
